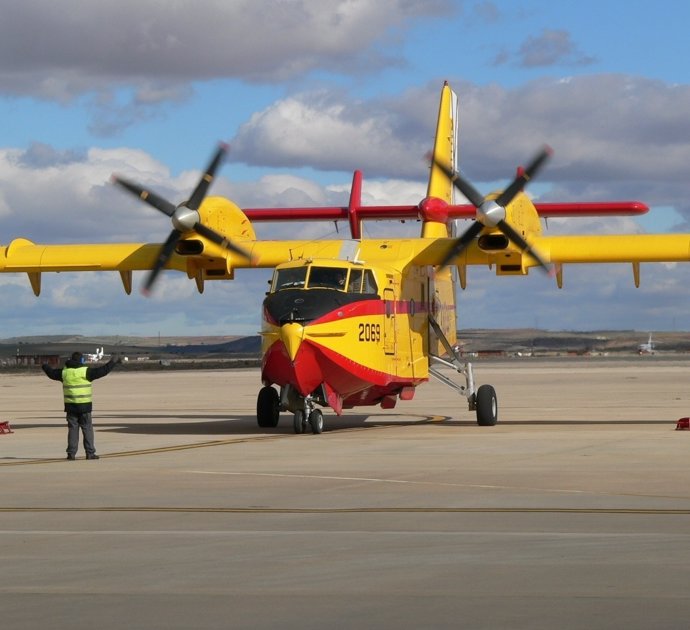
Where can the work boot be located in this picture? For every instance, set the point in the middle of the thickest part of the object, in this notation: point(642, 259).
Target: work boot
point(94, 456)
point(70, 456)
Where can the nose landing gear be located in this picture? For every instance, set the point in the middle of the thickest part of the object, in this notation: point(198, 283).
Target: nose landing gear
point(316, 421)
point(308, 416)
point(269, 404)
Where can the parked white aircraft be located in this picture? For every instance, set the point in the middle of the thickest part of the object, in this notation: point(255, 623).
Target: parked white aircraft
point(95, 357)
point(646, 348)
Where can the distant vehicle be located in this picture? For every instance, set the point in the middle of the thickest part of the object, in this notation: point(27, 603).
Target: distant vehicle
point(646, 348)
point(95, 357)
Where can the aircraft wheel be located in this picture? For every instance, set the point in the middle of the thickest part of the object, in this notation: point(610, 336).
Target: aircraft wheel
point(487, 406)
point(316, 421)
point(299, 421)
point(268, 408)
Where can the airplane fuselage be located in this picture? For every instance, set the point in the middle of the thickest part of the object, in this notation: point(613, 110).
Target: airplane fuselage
point(348, 334)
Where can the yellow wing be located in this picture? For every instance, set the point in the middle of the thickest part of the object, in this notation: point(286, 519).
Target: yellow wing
point(201, 251)
point(492, 247)
point(207, 262)
point(615, 248)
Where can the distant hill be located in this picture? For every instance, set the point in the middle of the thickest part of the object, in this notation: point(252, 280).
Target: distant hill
point(153, 347)
point(532, 340)
point(506, 341)
point(241, 345)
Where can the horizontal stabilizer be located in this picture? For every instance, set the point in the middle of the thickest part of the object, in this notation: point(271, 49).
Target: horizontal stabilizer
point(458, 211)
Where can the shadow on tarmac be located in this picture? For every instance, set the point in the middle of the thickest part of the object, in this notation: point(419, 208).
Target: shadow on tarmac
point(214, 424)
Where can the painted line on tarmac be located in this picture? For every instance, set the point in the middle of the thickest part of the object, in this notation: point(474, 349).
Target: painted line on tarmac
point(450, 484)
point(479, 486)
point(150, 451)
point(348, 510)
point(326, 477)
point(656, 537)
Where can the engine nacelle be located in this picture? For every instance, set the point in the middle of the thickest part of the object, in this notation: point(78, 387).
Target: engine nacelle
point(226, 218)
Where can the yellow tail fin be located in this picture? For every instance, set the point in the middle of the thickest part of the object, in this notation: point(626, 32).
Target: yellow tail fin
point(443, 166)
point(445, 154)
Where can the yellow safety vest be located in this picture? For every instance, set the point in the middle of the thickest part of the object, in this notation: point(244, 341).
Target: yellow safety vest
point(76, 389)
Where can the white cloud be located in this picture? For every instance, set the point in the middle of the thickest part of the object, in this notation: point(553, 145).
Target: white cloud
point(594, 297)
point(327, 130)
point(551, 47)
point(614, 136)
point(57, 49)
point(54, 197)
point(592, 225)
point(376, 192)
point(603, 128)
point(284, 189)
point(123, 60)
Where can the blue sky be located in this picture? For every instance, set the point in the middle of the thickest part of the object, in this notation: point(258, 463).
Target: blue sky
point(86, 90)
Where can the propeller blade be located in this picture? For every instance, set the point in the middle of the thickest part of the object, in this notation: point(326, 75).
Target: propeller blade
point(463, 185)
point(508, 230)
point(185, 217)
point(467, 189)
point(462, 242)
point(477, 200)
point(219, 239)
point(523, 177)
point(163, 257)
point(206, 179)
point(151, 198)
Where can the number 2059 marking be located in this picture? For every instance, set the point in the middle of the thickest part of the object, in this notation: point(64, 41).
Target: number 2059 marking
point(370, 332)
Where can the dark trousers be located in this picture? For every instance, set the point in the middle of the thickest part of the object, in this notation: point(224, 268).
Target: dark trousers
point(76, 421)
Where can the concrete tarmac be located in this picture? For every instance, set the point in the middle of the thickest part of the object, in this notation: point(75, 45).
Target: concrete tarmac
point(573, 512)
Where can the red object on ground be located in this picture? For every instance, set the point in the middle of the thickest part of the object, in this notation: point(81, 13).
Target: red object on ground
point(683, 423)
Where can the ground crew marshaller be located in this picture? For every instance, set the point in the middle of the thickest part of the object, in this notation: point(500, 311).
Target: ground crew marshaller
point(77, 392)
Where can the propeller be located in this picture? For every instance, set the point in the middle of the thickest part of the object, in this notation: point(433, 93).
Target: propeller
point(185, 216)
point(492, 213)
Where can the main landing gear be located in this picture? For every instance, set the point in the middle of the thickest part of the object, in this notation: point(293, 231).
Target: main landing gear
point(268, 408)
point(483, 401)
point(269, 404)
point(486, 405)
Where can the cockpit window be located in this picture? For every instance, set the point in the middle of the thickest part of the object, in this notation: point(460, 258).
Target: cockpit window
point(327, 278)
point(355, 284)
point(369, 285)
point(290, 278)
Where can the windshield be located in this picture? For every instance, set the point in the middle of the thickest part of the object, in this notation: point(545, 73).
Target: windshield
point(290, 278)
point(360, 280)
point(327, 278)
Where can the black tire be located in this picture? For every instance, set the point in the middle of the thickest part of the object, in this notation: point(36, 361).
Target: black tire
point(267, 408)
point(316, 421)
point(487, 406)
point(299, 422)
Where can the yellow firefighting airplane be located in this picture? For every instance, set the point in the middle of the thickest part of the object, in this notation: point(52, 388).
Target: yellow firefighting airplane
point(358, 321)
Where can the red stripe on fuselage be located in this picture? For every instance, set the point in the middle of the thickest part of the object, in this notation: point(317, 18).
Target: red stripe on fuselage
point(372, 307)
point(315, 363)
